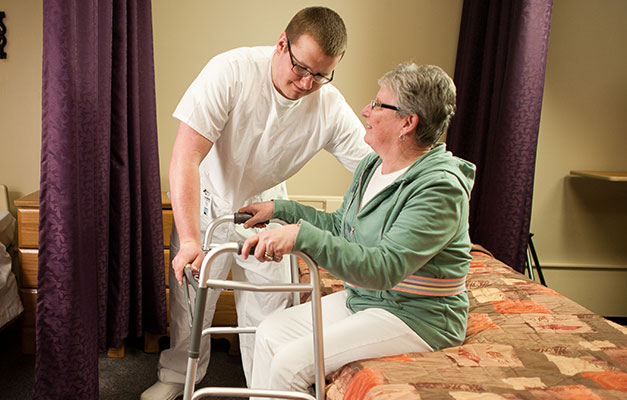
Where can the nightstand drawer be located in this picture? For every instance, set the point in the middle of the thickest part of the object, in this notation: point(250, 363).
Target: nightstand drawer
point(167, 227)
point(28, 227)
point(29, 301)
point(225, 314)
point(29, 263)
point(166, 262)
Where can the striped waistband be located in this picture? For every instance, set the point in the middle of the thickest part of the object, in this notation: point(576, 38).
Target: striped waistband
point(432, 286)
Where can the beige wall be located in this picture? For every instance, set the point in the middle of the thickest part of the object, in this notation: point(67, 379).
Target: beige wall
point(188, 34)
point(20, 97)
point(579, 224)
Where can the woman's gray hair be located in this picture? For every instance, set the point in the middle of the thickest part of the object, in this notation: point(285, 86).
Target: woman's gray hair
point(425, 90)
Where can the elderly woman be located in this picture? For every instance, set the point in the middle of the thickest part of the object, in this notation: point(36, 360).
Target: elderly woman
point(399, 242)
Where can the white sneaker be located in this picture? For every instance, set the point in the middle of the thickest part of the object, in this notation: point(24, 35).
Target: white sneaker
point(163, 391)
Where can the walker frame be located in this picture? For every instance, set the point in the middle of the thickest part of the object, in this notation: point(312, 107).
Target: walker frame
point(196, 318)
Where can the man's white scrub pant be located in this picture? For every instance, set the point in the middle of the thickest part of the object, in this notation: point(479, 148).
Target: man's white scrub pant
point(252, 307)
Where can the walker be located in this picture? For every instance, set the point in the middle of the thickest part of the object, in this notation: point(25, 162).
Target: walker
point(201, 284)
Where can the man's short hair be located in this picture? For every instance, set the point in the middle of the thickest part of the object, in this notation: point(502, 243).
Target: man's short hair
point(324, 25)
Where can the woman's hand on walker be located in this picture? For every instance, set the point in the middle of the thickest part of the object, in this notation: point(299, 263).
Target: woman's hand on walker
point(273, 244)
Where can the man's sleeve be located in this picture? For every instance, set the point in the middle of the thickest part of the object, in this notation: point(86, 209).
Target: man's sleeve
point(347, 143)
point(206, 104)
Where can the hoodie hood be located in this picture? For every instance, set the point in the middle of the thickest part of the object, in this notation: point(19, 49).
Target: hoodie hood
point(438, 159)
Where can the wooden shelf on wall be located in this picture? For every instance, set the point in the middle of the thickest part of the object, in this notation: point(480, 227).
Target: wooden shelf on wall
point(613, 176)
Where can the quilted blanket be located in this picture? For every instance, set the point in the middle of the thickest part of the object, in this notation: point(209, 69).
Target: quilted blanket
point(524, 341)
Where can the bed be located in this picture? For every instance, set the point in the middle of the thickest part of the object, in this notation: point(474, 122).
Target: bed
point(10, 304)
point(524, 341)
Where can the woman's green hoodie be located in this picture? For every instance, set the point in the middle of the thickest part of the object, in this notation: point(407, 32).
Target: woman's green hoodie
point(416, 226)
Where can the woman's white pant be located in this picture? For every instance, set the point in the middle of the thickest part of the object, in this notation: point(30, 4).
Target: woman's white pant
point(284, 358)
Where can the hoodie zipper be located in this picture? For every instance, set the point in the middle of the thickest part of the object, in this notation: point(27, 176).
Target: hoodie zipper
point(394, 186)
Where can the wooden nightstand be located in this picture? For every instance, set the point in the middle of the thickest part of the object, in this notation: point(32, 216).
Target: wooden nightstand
point(28, 244)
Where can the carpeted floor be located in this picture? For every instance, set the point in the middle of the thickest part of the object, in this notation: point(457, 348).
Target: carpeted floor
point(120, 378)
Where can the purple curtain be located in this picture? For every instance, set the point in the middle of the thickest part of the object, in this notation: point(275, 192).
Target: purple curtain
point(101, 274)
point(499, 73)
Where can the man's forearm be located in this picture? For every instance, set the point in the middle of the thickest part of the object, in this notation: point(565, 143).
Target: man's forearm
point(189, 150)
point(184, 193)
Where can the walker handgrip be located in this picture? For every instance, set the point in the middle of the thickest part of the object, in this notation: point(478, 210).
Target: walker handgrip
point(187, 271)
point(241, 244)
point(188, 279)
point(240, 218)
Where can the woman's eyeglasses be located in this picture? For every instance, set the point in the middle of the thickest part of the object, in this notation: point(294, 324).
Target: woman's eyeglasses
point(374, 103)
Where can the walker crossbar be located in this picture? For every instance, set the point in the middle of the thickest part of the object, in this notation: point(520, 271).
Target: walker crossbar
point(283, 287)
point(204, 284)
point(221, 330)
point(237, 392)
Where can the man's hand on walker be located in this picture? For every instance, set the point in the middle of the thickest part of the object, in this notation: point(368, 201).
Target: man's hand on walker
point(190, 253)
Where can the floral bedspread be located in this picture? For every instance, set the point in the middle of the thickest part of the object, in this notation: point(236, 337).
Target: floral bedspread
point(524, 341)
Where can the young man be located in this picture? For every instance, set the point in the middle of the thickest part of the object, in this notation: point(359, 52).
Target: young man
point(251, 119)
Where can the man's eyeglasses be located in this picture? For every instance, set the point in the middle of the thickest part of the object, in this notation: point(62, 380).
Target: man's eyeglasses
point(374, 103)
point(304, 71)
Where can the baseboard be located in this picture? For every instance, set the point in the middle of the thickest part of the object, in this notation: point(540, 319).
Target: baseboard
point(618, 320)
point(581, 266)
point(323, 203)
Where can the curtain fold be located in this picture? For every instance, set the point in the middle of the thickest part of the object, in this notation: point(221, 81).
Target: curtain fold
point(101, 276)
point(499, 73)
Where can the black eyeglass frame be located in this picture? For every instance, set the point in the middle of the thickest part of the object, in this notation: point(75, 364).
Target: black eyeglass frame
point(303, 71)
point(374, 103)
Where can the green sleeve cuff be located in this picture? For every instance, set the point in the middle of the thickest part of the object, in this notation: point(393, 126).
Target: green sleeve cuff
point(308, 239)
point(284, 210)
